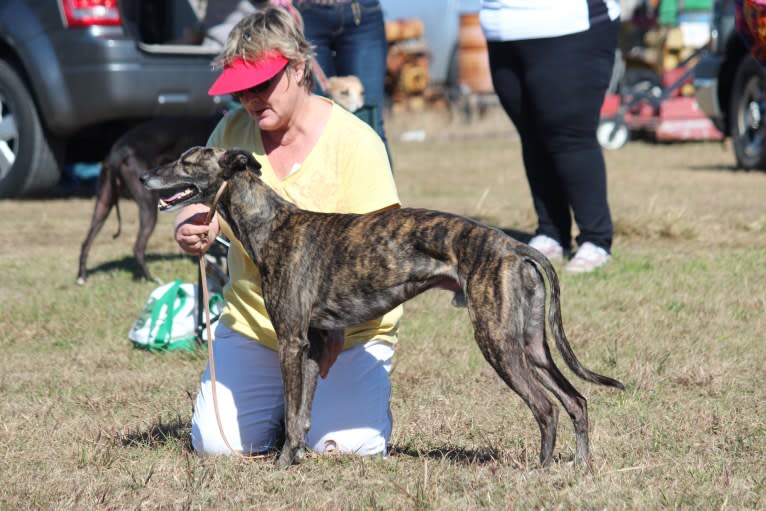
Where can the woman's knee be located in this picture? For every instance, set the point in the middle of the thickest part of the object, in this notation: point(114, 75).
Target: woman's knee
point(207, 439)
point(362, 441)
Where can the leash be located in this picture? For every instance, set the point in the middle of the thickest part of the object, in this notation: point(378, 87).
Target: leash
point(208, 329)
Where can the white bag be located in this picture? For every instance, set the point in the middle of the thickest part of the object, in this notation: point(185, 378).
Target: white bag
point(168, 321)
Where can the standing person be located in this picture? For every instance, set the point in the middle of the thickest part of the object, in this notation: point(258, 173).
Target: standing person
point(322, 158)
point(551, 62)
point(350, 39)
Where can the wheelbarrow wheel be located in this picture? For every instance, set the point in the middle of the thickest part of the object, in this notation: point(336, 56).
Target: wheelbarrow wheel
point(612, 133)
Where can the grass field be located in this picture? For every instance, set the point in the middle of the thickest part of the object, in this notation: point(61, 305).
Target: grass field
point(88, 422)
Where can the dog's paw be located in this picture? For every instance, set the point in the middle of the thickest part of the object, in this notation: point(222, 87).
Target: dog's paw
point(291, 456)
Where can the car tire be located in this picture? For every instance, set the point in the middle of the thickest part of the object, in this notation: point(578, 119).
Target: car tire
point(28, 166)
point(747, 127)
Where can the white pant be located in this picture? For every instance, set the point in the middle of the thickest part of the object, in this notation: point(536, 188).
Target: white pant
point(350, 414)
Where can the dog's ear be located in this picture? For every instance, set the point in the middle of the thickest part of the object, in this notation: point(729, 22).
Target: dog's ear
point(233, 160)
point(236, 160)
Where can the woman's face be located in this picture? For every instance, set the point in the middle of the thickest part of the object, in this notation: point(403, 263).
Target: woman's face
point(273, 105)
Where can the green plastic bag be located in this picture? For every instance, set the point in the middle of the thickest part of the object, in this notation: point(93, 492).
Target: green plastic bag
point(168, 321)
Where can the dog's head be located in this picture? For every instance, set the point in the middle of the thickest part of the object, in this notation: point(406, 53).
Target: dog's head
point(347, 91)
point(196, 176)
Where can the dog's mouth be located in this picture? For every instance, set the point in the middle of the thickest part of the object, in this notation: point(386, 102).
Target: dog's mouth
point(176, 196)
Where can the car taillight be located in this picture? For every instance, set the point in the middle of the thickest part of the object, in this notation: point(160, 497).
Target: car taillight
point(87, 13)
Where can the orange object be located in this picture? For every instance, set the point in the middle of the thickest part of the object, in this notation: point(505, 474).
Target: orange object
point(473, 59)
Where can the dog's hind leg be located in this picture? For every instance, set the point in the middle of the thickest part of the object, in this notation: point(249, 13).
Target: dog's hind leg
point(147, 213)
point(574, 403)
point(517, 374)
point(106, 197)
point(496, 300)
point(506, 356)
point(148, 220)
point(539, 355)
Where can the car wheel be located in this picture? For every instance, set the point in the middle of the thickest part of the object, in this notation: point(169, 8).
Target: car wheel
point(746, 122)
point(612, 134)
point(27, 163)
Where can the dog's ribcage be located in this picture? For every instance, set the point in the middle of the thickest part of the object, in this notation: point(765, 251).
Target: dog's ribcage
point(367, 264)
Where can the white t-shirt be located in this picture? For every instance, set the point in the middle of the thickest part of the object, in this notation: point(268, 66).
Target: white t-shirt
point(514, 20)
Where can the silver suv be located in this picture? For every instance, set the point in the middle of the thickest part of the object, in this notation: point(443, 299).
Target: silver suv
point(75, 74)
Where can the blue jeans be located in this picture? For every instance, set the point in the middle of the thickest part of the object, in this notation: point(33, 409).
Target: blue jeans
point(350, 39)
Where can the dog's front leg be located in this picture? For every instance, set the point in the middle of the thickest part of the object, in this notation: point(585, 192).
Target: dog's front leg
point(300, 369)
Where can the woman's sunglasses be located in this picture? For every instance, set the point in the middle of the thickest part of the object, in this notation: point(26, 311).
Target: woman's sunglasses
point(261, 87)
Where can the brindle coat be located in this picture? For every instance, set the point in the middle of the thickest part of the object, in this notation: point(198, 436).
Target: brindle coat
point(325, 272)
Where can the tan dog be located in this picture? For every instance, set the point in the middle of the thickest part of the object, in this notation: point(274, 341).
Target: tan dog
point(347, 91)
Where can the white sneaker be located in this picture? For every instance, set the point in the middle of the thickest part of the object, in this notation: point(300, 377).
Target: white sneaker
point(549, 247)
point(588, 258)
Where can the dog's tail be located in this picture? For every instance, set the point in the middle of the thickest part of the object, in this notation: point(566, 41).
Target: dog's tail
point(119, 218)
point(116, 186)
point(554, 323)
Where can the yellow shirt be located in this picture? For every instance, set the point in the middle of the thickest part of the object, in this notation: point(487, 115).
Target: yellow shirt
point(347, 171)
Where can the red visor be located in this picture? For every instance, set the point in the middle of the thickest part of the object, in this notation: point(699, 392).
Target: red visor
point(242, 74)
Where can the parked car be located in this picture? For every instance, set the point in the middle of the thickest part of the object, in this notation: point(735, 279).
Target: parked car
point(75, 74)
point(730, 87)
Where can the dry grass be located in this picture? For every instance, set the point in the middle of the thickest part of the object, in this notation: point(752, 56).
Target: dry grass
point(87, 422)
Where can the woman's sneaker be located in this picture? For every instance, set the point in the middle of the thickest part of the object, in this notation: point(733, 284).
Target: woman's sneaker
point(549, 247)
point(588, 258)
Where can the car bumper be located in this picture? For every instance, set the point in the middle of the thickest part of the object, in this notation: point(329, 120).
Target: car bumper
point(102, 76)
point(706, 87)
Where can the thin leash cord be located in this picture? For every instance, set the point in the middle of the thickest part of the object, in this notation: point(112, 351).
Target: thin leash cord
point(208, 328)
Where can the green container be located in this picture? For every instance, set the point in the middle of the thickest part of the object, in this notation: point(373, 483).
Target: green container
point(369, 114)
point(668, 11)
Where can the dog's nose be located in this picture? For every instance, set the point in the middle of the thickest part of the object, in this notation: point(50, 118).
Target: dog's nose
point(144, 177)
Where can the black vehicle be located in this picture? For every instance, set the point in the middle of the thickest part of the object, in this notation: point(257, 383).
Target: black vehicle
point(731, 89)
point(75, 74)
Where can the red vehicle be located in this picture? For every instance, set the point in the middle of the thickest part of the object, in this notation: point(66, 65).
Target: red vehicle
point(661, 111)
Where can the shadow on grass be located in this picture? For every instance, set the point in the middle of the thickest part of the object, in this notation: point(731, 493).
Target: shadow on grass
point(176, 432)
point(129, 264)
point(454, 454)
point(719, 168)
point(472, 457)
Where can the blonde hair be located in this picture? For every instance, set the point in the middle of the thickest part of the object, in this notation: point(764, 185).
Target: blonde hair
point(267, 30)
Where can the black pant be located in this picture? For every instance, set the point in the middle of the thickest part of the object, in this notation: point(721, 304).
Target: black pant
point(552, 89)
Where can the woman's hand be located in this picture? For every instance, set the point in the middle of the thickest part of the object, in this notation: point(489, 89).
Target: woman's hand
point(190, 231)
